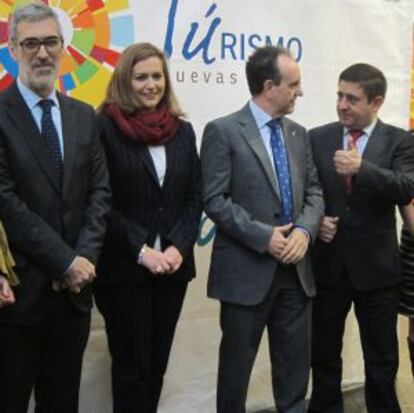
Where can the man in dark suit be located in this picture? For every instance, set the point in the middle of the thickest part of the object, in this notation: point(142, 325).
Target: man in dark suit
point(366, 168)
point(261, 190)
point(53, 201)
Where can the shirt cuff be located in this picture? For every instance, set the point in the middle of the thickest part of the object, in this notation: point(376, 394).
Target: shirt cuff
point(70, 266)
point(304, 230)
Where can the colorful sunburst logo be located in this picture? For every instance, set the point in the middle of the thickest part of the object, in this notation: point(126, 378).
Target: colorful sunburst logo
point(95, 33)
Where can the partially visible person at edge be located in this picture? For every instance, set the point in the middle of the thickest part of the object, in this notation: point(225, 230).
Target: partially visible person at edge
point(366, 168)
point(54, 198)
point(407, 287)
point(147, 258)
point(8, 277)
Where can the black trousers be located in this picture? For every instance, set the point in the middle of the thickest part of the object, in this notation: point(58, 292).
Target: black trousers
point(46, 356)
point(286, 312)
point(140, 325)
point(376, 312)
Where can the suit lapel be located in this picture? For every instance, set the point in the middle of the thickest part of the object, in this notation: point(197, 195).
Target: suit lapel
point(171, 155)
point(22, 118)
point(375, 144)
point(334, 142)
point(252, 136)
point(144, 155)
point(69, 133)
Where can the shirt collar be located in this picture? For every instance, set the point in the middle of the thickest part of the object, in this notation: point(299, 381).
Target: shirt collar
point(367, 130)
point(259, 115)
point(31, 98)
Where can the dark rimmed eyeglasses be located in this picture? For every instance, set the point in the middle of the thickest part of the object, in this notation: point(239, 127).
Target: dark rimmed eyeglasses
point(32, 45)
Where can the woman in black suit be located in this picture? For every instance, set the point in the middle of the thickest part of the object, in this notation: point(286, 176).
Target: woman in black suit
point(147, 259)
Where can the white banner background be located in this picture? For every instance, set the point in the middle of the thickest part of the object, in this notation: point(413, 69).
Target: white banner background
point(332, 33)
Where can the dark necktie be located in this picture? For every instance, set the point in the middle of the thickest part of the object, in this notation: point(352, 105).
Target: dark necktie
point(355, 134)
point(282, 170)
point(50, 137)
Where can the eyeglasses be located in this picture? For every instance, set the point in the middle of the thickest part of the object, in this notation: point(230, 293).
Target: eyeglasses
point(31, 45)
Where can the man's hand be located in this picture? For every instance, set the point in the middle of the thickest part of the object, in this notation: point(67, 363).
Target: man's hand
point(6, 292)
point(156, 261)
point(80, 273)
point(279, 240)
point(174, 258)
point(348, 163)
point(328, 229)
point(295, 250)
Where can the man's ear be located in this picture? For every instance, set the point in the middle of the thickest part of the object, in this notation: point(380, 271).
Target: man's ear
point(12, 49)
point(267, 85)
point(377, 102)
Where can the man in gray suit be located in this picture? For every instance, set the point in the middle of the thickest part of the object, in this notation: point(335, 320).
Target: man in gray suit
point(261, 190)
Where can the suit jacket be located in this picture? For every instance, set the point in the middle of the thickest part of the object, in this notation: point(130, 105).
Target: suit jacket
point(142, 208)
point(366, 241)
point(49, 223)
point(241, 196)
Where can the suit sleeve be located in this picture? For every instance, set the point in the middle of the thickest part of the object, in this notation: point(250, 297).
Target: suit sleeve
point(395, 184)
point(217, 169)
point(96, 208)
point(313, 204)
point(126, 234)
point(26, 230)
point(184, 233)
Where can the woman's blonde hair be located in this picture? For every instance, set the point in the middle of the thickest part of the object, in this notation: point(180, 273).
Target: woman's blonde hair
point(119, 90)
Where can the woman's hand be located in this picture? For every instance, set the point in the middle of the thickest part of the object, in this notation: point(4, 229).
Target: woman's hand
point(174, 258)
point(156, 261)
point(6, 292)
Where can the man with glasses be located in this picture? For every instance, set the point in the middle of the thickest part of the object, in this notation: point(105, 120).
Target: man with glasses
point(53, 203)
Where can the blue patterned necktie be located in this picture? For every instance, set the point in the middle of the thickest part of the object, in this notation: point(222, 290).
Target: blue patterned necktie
point(50, 137)
point(282, 170)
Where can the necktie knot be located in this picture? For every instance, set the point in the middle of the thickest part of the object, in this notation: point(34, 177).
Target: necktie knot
point(356, 134)
point(274, 124)
point(46, 104)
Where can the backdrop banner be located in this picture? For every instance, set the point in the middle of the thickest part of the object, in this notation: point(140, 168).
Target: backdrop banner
point(208, 43)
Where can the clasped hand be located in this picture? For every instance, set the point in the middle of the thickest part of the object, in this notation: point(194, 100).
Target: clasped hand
point(328, 229)
point(6, 292)
point(162, 262)
point(288, 244)
point(80, 273)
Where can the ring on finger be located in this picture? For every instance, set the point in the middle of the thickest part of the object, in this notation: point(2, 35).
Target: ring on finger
point(158, 269)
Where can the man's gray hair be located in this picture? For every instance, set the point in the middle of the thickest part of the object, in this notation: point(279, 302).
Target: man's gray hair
point(32, 12)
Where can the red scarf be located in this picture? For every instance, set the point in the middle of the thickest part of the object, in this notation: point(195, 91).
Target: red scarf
point(151, 128)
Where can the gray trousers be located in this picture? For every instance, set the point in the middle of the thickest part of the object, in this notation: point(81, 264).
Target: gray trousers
point(286, 312)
